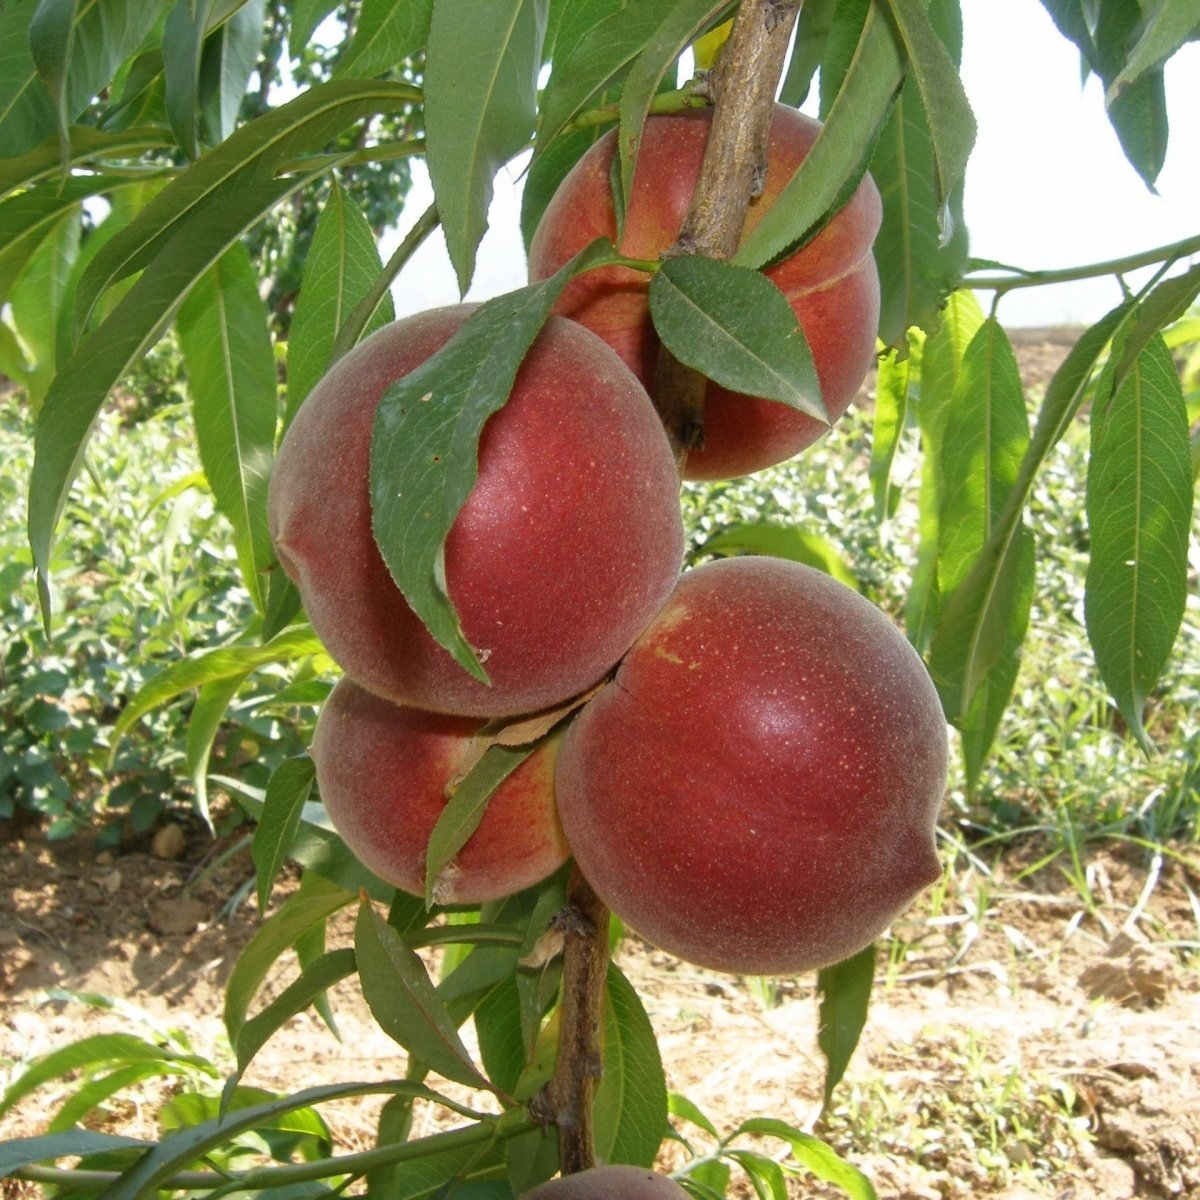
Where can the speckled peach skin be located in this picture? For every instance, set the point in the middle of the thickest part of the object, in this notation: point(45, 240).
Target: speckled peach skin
point(756, 790)
point(831, 282)
point(610, 1182)
point(382, 771)
point(569, 543)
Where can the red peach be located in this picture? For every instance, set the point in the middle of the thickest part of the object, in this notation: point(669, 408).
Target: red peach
point(610, 1182)
point(568, 544)
point(383, 770)
point(756, 789)
point(831, 282)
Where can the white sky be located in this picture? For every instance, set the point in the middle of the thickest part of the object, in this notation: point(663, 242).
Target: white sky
point(1047, 185)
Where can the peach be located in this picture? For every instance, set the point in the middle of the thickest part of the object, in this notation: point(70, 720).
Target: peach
point(756, 789)
point(568, 544)
point(831, 282)
point(611, 1182)
point(383, 771)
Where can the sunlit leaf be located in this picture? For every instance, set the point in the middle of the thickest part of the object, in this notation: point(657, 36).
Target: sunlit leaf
point(845, 995)
point(288, 790)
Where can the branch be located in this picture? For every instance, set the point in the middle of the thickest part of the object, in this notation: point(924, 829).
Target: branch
point(566, 1101)
point(742, 85)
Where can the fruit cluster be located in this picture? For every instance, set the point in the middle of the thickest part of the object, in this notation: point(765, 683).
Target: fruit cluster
point(755, 787)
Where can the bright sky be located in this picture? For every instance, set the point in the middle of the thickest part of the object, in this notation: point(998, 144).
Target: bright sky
point(1047, 185)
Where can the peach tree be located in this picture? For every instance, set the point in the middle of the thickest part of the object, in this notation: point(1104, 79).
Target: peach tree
point(479, 527)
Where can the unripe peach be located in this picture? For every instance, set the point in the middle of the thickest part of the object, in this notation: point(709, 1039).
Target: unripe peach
point(569, 542)
point(756, 789)
point(383, 771)
point(613, 1182)
point(831, 282)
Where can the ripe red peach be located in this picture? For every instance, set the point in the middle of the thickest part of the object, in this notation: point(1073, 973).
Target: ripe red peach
point(831, 282)
point(756, 789)
point(611, 1182)
point(383, 771)
point(568, 544)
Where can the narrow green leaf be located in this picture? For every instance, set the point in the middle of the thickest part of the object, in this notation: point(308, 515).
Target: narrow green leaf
point(425, 441)
point(1167, 301)
point(951, 121)
point(548, 169)
point(226, 344)
point(979, 724)
point(405, 1003)
point(678, 29)
point(93, 1093)
point(306, 16)
point(342, 264)
point(783, 541)
point(819, 1157)
point(210, 665)
point(464, 810)
point(229, 59)
point(1166, 25)
point(182, 48)
point(895, 380)
point(631, 1098)
point(598, 58)
point(385, 34)
point(26, 112)
point(88, 147)
point(1139, 116)
point(765, 1174)
point(320, 975)
point(184, 1147)
point(477, 119)
point(288, 790)
point(100, 1049)
point(941, 364)
point(501, 1041)
point(22, 1152)
point(203, 726)
point(836, 163)
point(844, 990)
point(314, 901)
point(985, 613)
point(51, 41)
point(1139, 503)
point(812, 28)
point(735, 326)
point(687, 1110)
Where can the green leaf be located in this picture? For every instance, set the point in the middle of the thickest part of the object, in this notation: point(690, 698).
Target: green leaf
point(819, 1157)
point(184, 1147)
point(226, 344)
point(686, 20)
point(87, 144)
point(182, 48)
point(316, 978)
point(735, 326)
point(92, 1094)
point(425, 440)
point(314, 901)
point(1139, 503)
point(341, 265)
point(26, 112)
point(834, 166)
point(597, 58)
point(16, 1153)
point(1167, 301)
point(477, 119)
point(51, 41)
point(812, 28)
point(465, 809)
point(111, 1049)
point(229, 60)
point(306, 16)
point(405, 1003)
point(941, 365)
point(765, 1174)
point(385, 34)
point(985, 613)
point(951, 121)
point(978, 726)
point(1166, 25)
point(203, 725)
point(844, 990)
point(548, 169)
point(680, 1106)
point(895, 380)
point(783, 541)
point(501, 1039)
point(287, 791)
point(631, 1098)
point(210, 665)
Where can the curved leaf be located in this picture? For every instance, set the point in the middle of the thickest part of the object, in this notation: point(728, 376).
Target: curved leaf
point(477, 119)
point(385, 34)
point(845, 994)
point(22, 1152)
point(203, 726)
point(287, 791)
